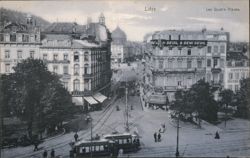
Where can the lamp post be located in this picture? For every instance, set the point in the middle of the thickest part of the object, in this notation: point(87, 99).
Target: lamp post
point(177, 154)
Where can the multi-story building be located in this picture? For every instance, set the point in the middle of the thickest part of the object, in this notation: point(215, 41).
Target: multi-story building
point(237, 68)
point(118, 46)
point(17, 42)
point(178, 59)
point(80, 56)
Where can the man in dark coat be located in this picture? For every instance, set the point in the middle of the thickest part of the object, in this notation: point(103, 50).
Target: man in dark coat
point(76, 136)
point(45, 154)
point(159, 137)
point(155, 136)
point(52, 153)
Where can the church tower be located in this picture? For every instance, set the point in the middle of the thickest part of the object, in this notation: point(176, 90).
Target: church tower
point(102, 19)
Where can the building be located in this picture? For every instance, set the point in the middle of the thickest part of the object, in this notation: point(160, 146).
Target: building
point(79, 54)
point(178, 59)
point(118, 46)
point(237, 68)
point(18, 42)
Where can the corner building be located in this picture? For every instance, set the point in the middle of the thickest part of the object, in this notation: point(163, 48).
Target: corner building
point(178, 59)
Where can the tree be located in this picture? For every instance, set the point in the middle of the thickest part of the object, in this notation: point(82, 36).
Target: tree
point(242, 99)
point(226, 96)
point(30, 84)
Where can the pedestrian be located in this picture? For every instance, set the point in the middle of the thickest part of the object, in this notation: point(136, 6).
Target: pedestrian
point(217, 136)
point(76, 137)
point(45, 154)
point(36, 143)
point(52, 153)
point(155, 135)
point(159, 137)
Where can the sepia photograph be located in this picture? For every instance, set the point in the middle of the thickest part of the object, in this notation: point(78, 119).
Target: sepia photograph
point(124, 78)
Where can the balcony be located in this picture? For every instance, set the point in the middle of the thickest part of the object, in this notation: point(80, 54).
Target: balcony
point(88, 76)
point(216, 70)
point(57, 61)
point(176, 70)
point(170, 88)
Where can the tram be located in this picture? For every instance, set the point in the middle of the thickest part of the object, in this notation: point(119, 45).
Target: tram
point(94, 148)
point(127, 142)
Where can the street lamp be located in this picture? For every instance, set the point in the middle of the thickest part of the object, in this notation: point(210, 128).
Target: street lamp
point(177, 154)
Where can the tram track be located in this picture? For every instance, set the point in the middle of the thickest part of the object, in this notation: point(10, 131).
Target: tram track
point(105, 113)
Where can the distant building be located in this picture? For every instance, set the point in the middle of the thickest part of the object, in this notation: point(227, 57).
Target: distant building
point(118, 46)
point(178, 59)
point(80, 55)
point(237, 68)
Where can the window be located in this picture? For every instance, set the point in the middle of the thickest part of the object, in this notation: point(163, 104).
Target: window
point(55, 69)
point(222, 49)
point(208, 77)
point(76, 69)
point(222, 63)
point(189, 51)
point(237, 75)
point(199, 63)
point(189, 64)
point(216, 49)
point(86, 84)
point(215, 62)
point(65, 69)
point(55, 57)
point(86, 56)
point(25, 38)
point(7, 54)
point(1, 37)
point(179, 37)
point(86, 68)
point(76, 85)
point(32, 54)
point(179, 64)
point(13, 37)
point(65, 84)
point(230, 76)
point(179, 83)
point(209, 49)
point(230, 87)
point(243, 75)
point(65, 57)
point(7, 68)
point(170, 64)
point(169, 37)
point(221, 77)
point(76, 57)
point(208, 62)
point(236, 87)
point(19, 54)
point(45, 56)
point(160, 64)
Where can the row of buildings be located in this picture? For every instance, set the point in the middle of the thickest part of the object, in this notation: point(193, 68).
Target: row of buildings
point(79, 54)
point(178, 59)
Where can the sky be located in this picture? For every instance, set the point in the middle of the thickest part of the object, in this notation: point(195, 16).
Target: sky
point(136, 18)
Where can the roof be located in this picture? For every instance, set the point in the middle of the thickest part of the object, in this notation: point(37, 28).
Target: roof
point(98, 31)
point(119, 135)
point(236, 55)
point(65, 27)
point(87, 142)
point(57, 37)
point(83, 44)
point(118, 33)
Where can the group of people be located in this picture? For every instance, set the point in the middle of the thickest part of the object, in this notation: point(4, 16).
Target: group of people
point(52, 153)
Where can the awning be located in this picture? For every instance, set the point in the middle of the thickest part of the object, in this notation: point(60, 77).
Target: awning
point(100, 97)
point(77, 100)
point(90, 100)
point(157, 99)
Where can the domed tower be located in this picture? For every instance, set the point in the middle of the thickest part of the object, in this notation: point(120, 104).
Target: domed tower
point(119, 36)
point(102, 19)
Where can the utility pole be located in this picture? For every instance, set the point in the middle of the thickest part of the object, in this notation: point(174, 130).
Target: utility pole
point(177, 138)
point(126, 109)
point(91, 133)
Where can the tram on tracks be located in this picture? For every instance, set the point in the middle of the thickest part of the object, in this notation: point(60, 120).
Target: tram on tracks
point(110, 145)
point(127, 142)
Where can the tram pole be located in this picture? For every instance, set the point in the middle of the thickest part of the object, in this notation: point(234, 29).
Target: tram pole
point(127, 128)
point(91, 133)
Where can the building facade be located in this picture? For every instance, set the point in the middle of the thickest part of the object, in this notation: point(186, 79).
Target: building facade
point(79, 56)
point(178, 59)
point(118, 46)
point(237, 68)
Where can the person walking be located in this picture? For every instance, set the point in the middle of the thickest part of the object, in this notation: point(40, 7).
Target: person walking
point(52, 153)
point(36, 143)
point(155, 136)
point(76, 137)
point(159, 137)
point(45, 154)
point(217, 136)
